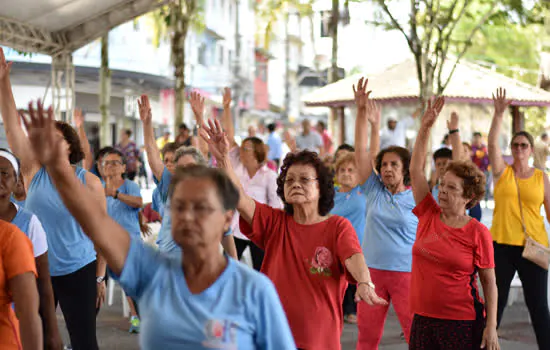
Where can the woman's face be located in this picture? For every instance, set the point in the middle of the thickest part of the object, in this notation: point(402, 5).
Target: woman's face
point(8, 179)
point(112, 166)
point(466, 152)
point(169, 162)
point(198, 216)
point(451, 193)
point(391, 170)
point(347, 175)
point(301, 185)
point(440, 166)
point(521, 148)
point(186, 160)
point(20, 187)
point(246, 153)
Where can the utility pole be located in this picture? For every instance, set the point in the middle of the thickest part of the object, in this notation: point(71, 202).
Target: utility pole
point(333, 76)
point(237, 70)
point(287, 68)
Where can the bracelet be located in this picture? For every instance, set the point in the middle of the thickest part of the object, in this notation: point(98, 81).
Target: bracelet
point(454, 131)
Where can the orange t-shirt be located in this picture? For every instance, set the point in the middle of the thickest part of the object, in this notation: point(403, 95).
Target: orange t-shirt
point(16, 258)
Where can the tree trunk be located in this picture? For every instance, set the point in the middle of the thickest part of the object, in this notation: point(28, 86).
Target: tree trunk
point(105, 91)
point(181, 24)
point(333, 76)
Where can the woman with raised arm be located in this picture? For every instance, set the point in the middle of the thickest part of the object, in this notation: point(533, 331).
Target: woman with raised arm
point(391, 225)
point(259, 182)
point(204, 301)
point(77, 271)
point(517, 183)
point(163, 175)
point(309, 254)
point(451, 248)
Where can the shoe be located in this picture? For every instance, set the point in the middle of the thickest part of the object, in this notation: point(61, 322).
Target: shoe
point(351, 318)
point(68, 347)
point(134, 325)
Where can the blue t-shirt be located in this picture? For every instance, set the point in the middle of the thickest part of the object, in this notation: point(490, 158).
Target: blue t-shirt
point(435, 193)
point(20, 204)
point(275, 146)
point(69, 248)
point(352, 205)
point(156, 203)
point(122, 213)
point(390, 227)
point(240, 310)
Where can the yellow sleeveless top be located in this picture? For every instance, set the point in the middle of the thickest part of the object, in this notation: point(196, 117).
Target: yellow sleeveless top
point(506, 228)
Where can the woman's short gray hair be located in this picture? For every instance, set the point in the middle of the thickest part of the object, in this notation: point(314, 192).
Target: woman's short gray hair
point(191, 151)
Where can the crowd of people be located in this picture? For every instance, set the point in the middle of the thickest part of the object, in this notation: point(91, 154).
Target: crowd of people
point(335, 235)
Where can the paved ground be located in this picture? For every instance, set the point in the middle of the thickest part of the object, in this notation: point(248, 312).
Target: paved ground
point(515, 332)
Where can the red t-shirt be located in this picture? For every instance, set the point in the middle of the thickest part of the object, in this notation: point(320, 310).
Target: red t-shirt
point(306, 264)
point(445, 264)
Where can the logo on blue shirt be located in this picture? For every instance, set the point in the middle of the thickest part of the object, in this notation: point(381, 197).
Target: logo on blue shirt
point(220, 334)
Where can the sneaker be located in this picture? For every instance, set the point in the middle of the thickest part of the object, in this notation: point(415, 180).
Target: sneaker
point(134, 325)
point(68, 347)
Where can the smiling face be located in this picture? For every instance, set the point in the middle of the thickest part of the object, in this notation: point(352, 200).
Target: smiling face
point(8, 179)
point(301, 185)
point(346, 175)
point(451, 193)
point(391, 170)
point(521, 148)
point(198, 215)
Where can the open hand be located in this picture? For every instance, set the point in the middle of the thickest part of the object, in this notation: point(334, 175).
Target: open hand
point(361, 93)
point(78, 118)
point(145, 109)
point(216, 138)
point(368, 295)
point(48, 146)
point(500, 102)
point(432, 111)
point(373, 112)
point(5, 67)
point(226, 97)
point(490, 339)
point(452, 124)
point(197, 105)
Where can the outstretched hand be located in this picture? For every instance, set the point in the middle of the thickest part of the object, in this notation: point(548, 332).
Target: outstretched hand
point(373, 112)
point(48, 146)
point(78, 118)
point(361, 94)
point(5, 66)
point(432, 111)
point(452, 124)
point(216, 138)
point(145, 109)
point(197, 105)
point(500, 102)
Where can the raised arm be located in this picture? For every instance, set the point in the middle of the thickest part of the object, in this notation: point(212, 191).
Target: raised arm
point(367, 111)
point(454, 136)
point(153, 153)
point(197, 105)
point(495, 154)
point(88, 161)
point(112, 242)
point(219, 147)
point(227, 119)
point(419, 183)
point(17, 139)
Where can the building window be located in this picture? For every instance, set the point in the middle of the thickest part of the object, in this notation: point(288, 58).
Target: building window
point(202, 54)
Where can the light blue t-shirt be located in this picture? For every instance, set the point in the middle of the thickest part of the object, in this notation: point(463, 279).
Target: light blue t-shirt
point(390, 227)
point(156, 203)
point(122, 213)
point(20, 204)
point(435, 193)
point(240, 310)
point(352, 205)
point(275, 146)
point(69, 248)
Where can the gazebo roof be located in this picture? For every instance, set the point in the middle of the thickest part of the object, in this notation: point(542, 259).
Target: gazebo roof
point(470, 83)
point(56, 26)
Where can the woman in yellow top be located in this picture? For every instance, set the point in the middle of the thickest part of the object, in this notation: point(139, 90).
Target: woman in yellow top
point(507, 231)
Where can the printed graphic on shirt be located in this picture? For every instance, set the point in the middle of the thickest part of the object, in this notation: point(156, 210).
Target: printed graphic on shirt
point(220, 334)
point(321, 261)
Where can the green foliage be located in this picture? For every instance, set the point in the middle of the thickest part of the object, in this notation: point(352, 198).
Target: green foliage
point(535, 119)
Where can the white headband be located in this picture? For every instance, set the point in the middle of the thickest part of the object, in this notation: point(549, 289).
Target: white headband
point(12, 160)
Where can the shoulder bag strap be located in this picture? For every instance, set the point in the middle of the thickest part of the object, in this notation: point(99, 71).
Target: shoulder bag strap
point(520, 206)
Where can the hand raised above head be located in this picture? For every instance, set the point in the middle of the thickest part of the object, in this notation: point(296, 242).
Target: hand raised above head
point(226, 97)
point(5, 66)
point(500, 102)
point(145, 109)
point(361, 94)
point(213, 134)
point(432, 111)
point(197, 105)
point(452, 124)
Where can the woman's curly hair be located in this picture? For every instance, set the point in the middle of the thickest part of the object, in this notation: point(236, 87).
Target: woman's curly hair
point(473, 180)
point(76, 154)
point(324, 178)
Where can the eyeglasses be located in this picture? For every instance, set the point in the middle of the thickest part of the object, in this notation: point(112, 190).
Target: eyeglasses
point(248, 148)
point(112, 162)
point(521, 145)
point(304, 181)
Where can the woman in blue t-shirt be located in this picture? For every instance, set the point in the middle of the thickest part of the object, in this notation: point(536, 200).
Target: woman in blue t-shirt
point(205, 300)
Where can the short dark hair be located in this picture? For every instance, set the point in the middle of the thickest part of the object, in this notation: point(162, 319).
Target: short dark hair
point(403, 154)
point(227, 191)
point(271, 127)
point(477, 133)
point(443, 152)
point(105, 151)
point(260, 152)
point(525, 134)
point(324, 178)
point(128, 132)
point(183, 126)
point(76, 154)
point(345, 147)
point(170, 147)
point(322, 125)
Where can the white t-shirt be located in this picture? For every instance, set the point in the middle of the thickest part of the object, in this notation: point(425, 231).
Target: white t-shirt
point(311, 142)
point(32, 227)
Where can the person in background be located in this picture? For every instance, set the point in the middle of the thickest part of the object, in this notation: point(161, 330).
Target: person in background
point(541, 152)
point(515, 184)
point(164, 139)
point(308, 139)
point(184, 137)
point(342, 150)
point(195, 302)
point(451, 249)
point(395, 134)
point(327, 140)
point(29, 224)
point(275, 145)
point(131, 153)
point(480, 157)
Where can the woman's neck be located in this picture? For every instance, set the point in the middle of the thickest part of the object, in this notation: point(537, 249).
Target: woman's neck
point(117, 180)
point(307, 214)
point(7, 210)
point(252, 169)
point(346, 188)
point(521, 167)
point(202, 267)
point(455, 219)
point(394, 189)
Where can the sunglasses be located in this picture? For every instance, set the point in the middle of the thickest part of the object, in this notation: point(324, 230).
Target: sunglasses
point(521, 145)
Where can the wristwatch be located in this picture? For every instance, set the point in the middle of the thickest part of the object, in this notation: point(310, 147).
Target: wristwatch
point(116, 194)
point(370, 284)
point(100, 279)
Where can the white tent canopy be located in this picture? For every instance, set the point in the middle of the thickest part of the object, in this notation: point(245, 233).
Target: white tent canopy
point(55, 27)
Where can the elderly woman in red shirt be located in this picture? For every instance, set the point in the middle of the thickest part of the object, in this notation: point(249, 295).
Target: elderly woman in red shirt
point(451, 248)
point(309, 254)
